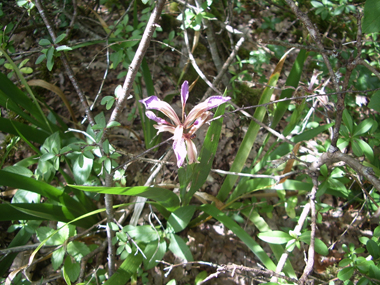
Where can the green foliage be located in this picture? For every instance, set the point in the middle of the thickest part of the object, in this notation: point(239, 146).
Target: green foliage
point(364, 262)
point(67, 168)
point(52, 52)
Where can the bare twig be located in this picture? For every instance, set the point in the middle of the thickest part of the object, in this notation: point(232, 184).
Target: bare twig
point(66, 65)
point(225, 66)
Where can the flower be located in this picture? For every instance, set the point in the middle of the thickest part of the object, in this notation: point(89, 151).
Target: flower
point(183, 129)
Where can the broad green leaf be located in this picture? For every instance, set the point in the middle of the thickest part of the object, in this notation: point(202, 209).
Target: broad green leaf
point(163, 196)
point(356, 149)
point(373, 248)
point(59, 38)
point(44, 42)
point(72, 269)
point(179, 248)
point(371, 20)
point(319, 245)
point(275, 237)
point(57, 258)
point(375, 101)
point(154, 251)
point(126, 270)
point(240, 233)
point(82, 172)
point(50, 58)
point(290, 205)
point(346, 273)
point(363, 127)
point(367, 149)
point(145, 233)
point(63, 48)
point(180, 218)
point(347, 119)
point(78, 250)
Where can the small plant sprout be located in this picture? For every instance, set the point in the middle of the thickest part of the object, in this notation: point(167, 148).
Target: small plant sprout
point(183, 130)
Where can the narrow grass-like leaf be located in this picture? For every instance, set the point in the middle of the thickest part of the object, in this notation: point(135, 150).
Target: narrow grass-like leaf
point(21, 238)
point(21, 99)
point(240, 233)
point(163, 196)
point(277, 249)
point(149, 130)
point(44, 211)
point(210, 145)
point(250, 137)
point(26, 183)
point(292, 80)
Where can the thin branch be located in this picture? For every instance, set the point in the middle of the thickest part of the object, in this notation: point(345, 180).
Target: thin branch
point(66, 64)
point(225, 66)
point(316, 37)
point(136, 62)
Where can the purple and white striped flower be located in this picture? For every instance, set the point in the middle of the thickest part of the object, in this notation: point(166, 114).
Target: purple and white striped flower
point(182, 129)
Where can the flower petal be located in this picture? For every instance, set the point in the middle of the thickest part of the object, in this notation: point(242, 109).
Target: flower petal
point(200, 122)
point(154, 103)
point(153, 117)
point(191, 151)
point(164, 128)
point(184, 96)
point(211, 102)
point(179, 146)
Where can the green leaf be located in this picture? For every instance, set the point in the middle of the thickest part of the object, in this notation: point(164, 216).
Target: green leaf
point(57, 258)
point(126, 270)
point(49, 57)
point(44, 42)
point(319, 245)
point(113, 124)
point(145, 234)
point(366, 148)
point(40, 58)
point(375, 101)
point(72, 269)
point(60, 38)
point(153, 252)
point(64, 47)
point(240, 233)
point(180, 218)
point(209, 148)
point(371, 20)
point(250, 136)
point(290, 205)
point(275, 237)
point(345, 273)
point(78, 250)
point(163, 196)
point(363, 127)
point(347, 119)
point(82, 172)
point(373, 249)
point(179, 248)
